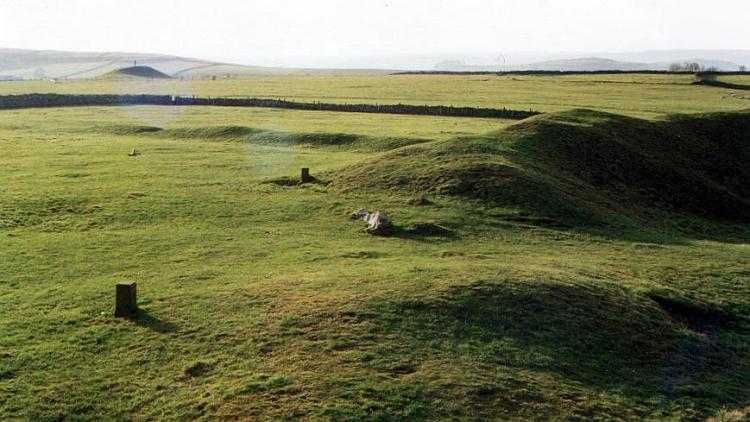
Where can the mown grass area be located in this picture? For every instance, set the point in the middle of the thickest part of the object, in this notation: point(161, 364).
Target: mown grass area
point(633, 94)
point(261, 301)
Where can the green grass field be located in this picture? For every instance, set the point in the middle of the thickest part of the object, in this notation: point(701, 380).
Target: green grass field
point(578, 265)
point(636, 95)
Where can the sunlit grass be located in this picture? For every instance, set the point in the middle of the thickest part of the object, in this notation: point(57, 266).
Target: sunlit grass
point(267, 302)
point(636, 95)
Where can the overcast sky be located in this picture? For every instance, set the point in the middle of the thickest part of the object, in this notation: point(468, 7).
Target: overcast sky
point(330, 32)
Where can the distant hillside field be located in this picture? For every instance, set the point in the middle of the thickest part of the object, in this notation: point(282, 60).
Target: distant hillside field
point(43, 64)
point(638, 95)
point(35, 64)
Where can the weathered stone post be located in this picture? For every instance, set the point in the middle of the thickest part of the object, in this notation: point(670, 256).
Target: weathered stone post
point(305, 176)
point(125, 300)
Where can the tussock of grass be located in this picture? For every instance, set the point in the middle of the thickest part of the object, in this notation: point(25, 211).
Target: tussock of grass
point(725, 415)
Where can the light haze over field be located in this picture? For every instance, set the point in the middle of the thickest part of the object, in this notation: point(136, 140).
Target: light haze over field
point(382, 33)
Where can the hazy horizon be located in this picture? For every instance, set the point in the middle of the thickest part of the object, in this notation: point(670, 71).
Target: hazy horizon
point(358, 33)
point(419, 62)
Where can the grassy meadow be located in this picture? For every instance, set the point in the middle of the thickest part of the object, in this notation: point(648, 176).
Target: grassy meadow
point(525, 281)
point(635, 95)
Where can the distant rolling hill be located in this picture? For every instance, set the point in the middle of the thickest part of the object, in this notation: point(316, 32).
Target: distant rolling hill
point(599, 64)
point(136, 72)
point(48, 64)
point(591, 64)
point(582, 64)
point(585, 64)
point(40, 64)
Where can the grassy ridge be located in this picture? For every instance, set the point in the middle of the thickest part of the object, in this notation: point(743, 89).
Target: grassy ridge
point(336, 141)
point(584, 167)
point(107, 119)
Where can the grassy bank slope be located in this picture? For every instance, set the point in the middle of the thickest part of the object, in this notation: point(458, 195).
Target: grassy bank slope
point(585, 168)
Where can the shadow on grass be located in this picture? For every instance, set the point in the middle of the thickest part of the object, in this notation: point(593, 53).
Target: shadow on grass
point(674, 230)
point(144, 319)
point(424, 231)
point(650, 227)
point(602, 337)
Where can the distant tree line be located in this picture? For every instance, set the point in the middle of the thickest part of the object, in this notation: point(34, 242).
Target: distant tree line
point(695, 68)
point(63, 100)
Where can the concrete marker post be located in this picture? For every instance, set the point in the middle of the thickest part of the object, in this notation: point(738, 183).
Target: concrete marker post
point(125, 299)
point(305, 176)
